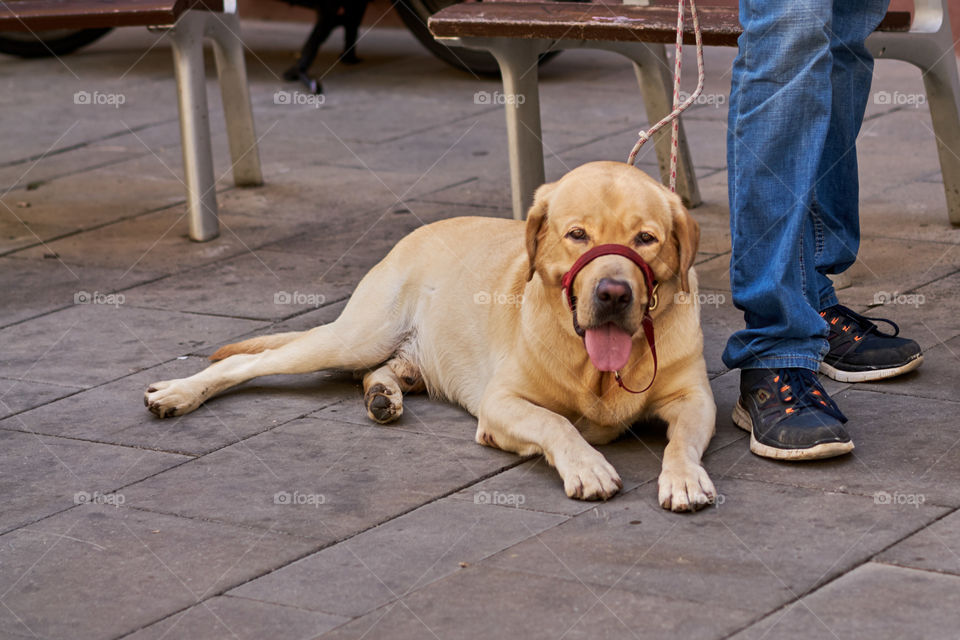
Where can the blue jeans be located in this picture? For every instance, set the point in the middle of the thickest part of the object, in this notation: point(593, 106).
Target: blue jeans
point(800, 85)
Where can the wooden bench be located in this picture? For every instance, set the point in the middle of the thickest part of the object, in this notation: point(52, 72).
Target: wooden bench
point(191, 22)
point(516, 33)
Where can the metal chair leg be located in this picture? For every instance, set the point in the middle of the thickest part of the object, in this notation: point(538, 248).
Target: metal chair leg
point(518, 67)
point(224, 30)
point(187, 39)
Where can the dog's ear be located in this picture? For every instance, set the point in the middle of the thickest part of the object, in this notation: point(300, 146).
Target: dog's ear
point(536, 220)
point(686, 233)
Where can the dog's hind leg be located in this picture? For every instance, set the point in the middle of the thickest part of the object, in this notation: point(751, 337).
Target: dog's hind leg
point(368, 332)
point(383, 388)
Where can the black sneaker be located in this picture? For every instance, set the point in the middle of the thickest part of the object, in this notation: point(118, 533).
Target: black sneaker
point(789, 415)
point(859, 352)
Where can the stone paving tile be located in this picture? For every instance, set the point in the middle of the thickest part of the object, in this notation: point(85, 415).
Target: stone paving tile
point(154, 242)
point(934, 321)
point(387, 121)
point(714, 274)
point(719, 319)
point(873, 601)
point(20, 395)
point(370, 235)
point(898, 450)
point(89, 154)
point(34, 287)
point(239, 619)
point(99, 571)
point(42, 475)
point(706, 139)
point(333, 479)
point(406, 554)
point(421, 414)
point(757, 548)
point(492, 602)
point(265, 285)
point(16, 234)
point(104, 195)
point(886, 267)
point(915, 211)
point(900, 146)
point(88, 344)
point(296, 190)
point(461, 148)
point(122, 419)
point(936, 548)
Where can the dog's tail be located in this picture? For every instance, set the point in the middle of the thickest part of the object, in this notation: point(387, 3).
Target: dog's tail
point(256, 345)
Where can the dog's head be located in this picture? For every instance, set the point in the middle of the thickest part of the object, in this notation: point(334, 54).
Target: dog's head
point(610, 203)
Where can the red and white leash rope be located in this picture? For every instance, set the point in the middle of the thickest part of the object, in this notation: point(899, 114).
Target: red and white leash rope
point(678, 107)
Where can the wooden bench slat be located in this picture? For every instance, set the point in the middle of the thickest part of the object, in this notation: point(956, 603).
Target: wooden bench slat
point(39, 15)
point(720, 26)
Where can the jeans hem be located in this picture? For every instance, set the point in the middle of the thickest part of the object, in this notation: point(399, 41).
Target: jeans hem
point(828, 301)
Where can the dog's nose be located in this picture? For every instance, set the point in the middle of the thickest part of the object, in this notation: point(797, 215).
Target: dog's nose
point(612, 295)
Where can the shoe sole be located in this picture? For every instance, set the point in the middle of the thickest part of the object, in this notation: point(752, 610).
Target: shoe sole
point(741, 418)
point(873, 374)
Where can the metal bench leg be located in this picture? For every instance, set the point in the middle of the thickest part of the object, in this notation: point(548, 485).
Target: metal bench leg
point(224, 30)
point(518, 66)
point(187, 39)
point(943, 94)
point(656, 83)
point(929, 46)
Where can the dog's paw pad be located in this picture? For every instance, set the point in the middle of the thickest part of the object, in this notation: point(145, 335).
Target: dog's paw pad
point(383, 405)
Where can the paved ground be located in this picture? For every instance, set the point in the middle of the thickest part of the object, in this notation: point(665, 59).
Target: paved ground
point(279, 511)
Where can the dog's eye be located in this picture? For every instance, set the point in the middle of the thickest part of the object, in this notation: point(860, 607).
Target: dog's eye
point(645, 238)
point(577, 234)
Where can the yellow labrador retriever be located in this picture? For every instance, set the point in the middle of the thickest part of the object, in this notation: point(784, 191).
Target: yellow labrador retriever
point(474, 310)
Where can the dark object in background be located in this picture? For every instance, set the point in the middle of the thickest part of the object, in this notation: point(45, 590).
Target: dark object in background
point(56, 42)
point(330, 15)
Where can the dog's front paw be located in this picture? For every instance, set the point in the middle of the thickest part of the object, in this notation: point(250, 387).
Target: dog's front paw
point(686, 489)
point(171, 398)
point(588, 476)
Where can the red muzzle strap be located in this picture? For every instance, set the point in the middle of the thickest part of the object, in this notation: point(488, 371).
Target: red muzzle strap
point(649, 281)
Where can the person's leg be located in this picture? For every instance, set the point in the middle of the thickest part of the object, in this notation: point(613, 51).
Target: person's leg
point(780, 109)
point(836, 211)
point(858, 351)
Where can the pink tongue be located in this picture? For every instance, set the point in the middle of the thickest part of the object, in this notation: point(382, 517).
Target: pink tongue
point(608, 347)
